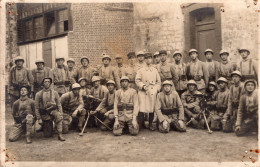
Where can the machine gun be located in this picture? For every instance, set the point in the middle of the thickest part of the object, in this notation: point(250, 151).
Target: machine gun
point(90, 102)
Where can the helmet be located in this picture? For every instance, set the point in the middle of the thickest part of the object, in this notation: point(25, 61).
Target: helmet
point(82, 78)
point(167, 83)
point(75, 86)
point(40, 60)
point(192, 82)
point(236, 73)
point(18, 58)
point(110, 82)
point(156, 54)
point(213, 83)
point(83, 58)
point(47, 78)
point(105, 56)
point(208, 50)
point(222, 79)
point(71, 60)
point(95, 78)
point(177, 52)
point(147, 55)
point(163, 52)
point(131, 54)
point(59, 57)
point(124, 78)
point(118, 57)
point(193, 50)
point(250, 80)
point(243, 49)
point(222, 52)
point(140, 53)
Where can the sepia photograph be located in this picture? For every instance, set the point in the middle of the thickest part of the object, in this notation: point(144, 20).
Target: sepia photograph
point(129, 82)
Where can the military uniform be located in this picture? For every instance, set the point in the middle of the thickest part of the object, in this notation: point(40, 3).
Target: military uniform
point(167, 72)
point(24, 116)
point(70, 103)
point(131, 72)
point(61, 79)
point(213, 69)
point(86, 72)
point(126, 109)
point(169, 107)
point(38, 76)
point(181, 70)
point(109, 73)
point(248, 69)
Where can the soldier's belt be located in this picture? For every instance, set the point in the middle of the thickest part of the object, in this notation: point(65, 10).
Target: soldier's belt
point(246, 77)
point(122, 107)
point(183, 78)
point(169, 111)
point(60, 83)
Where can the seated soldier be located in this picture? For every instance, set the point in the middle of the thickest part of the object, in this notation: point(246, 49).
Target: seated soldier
point(126, 108)
point(169, 109)
point(191, 103)
point(24, 116)
point(221, 104)
point(211, 98)
point(247, 115)
point(106, 106)
point(73, 107)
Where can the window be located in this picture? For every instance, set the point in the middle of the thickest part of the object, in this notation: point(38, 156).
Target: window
point(42, 21)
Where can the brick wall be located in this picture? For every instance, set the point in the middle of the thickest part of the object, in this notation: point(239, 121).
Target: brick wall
point(100, 28)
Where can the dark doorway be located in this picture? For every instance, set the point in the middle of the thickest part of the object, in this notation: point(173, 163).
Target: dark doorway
point(47, 53)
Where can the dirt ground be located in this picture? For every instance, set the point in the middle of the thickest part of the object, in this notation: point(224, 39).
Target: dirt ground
point(194, 145)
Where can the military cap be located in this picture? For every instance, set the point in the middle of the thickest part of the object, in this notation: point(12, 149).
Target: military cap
point(250, 80)
point(71, 60)
point(140, 53)
point(106, 56)
point(243, 49)
point(25, 86)
point(95, 78)
point(39, 60)
point(236, 73)
point(118, 56)
point(131, 54)
point(223, 52)
point(18, 58)
point(124, 78)
point(192, 82)
point(177, 52)
point(59, 57)
point(110, 82)
point(147, 55)
point(208, 50)
point(193, 50)
point(75, 86)
point(156, 54)
point(47, 78)
point(82, 78)
point(83, 58)
point(167, 83)
point(213, 83)
point(222, 79)
point(163, 52)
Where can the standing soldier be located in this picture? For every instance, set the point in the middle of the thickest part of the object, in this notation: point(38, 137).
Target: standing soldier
point(156, 58)
point(106, 106)
point(169, 109)
point(130, 71)
point(84, 71)
point(247, 66)
point(247, 115)
point(39, 73)
point(191, 103)
point(180, 69)
point(61, 77)
point(126, 109)
point(236, 91)
point(166, 70)
point(73, 107)
point(24, 116)
point(120, 66)
point(48, 108)
point(140, 64)
point(72, 70)
point(108, 72)
point(196, 70)
point(149, 84)
point(19, 76)
point(226, 67)
point(211, 65)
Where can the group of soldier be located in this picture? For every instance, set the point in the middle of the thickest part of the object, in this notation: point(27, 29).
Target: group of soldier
point(148, 91)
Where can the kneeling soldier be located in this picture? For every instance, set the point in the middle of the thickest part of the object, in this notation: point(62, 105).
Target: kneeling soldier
point(191, 103)
point(73, 106)
point(48, 108)
point(247, 115)
point(169, 109)
point(106, 106)
point(24, 116)
point(126, 109)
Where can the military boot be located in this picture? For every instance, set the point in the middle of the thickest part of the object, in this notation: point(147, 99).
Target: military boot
point(60, 137)
point(28, 138)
